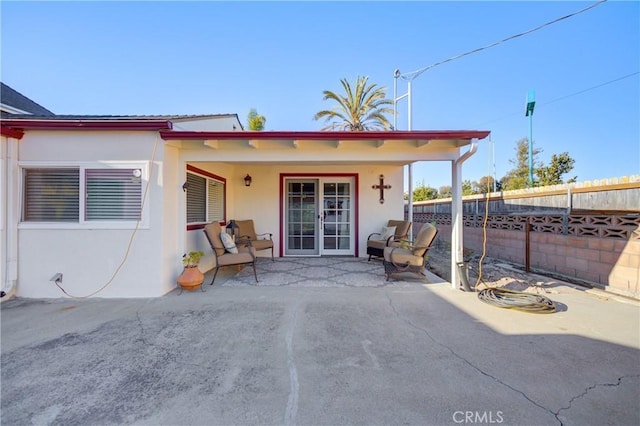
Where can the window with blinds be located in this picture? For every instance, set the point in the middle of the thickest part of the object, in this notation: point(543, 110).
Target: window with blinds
point(196, 199)
point(205, 199)
point(51, 195)
point(113, 194)
point(215, 201)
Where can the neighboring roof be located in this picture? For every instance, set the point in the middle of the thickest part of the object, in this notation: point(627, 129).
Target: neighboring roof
point(100, 122)
point(15, 99)
point(27, 122)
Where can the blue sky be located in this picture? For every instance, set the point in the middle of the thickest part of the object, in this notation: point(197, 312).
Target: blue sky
point(278, 57)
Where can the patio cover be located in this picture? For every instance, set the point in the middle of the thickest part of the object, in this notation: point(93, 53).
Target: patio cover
point(380, 147)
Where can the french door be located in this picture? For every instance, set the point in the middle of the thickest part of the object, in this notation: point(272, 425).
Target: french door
point(319, 217)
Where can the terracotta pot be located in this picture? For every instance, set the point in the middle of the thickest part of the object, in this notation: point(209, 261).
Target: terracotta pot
point(191, 278)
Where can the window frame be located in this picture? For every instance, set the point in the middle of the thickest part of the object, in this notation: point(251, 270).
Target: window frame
point(208, 176)
point(82, 222)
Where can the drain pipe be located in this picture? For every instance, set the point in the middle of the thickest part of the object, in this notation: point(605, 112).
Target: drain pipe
point(457, 255)
point(11, 219)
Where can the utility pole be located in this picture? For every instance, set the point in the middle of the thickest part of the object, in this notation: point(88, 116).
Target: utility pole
point(396, 98)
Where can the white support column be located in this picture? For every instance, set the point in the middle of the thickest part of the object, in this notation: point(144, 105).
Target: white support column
point(456, 222)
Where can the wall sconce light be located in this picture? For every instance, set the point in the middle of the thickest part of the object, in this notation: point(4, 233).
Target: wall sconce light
point(247, 180)
point(185, 186)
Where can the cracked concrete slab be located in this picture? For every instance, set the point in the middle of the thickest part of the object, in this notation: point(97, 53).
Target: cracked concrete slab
point(415, 354)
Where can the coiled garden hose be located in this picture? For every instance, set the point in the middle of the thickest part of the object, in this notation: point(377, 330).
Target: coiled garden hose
point(510, 299)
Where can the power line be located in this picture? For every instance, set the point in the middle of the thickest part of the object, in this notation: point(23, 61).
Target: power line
point(591, 88)
point(411, 75)
point(566, 96)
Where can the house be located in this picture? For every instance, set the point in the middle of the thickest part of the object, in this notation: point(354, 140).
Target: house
point(13, 102)
point(112, 202)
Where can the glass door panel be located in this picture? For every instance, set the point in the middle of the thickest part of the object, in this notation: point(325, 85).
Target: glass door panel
point(337, 235)
point(302, 218)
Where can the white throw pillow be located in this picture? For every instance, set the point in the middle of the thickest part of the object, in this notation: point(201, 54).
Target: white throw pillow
point(228, 243)
point(387, 231)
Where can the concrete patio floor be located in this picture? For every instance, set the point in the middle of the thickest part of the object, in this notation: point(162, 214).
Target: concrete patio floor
point(405, 352)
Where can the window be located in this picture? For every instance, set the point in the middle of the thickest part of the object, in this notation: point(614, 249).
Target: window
point(205, 198)
point(51, 195)
point(82, 194)
point(113, 194)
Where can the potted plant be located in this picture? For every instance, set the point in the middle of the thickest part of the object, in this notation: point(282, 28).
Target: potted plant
point(191, 276)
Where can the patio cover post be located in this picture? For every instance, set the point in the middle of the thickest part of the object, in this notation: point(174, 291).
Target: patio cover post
point(457, 240)
point(456, 219)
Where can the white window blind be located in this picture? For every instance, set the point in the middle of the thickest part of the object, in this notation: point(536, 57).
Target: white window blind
point(51, 195)
point(215, 202)
point(113, 194)
point(196, 199)
point(205, 199)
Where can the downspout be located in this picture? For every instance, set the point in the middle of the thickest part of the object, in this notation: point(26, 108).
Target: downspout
point(11, 219)
point(457, 255)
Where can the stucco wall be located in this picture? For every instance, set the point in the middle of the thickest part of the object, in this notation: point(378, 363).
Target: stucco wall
point(89, 256)
point(171, 182)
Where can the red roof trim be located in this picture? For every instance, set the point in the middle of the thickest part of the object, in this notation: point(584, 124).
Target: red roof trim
point(11, 133)
point(89, 124)
point(322, 135)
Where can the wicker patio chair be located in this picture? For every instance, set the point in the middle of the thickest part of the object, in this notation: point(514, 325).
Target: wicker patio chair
point(410, 258)
point(376, 245)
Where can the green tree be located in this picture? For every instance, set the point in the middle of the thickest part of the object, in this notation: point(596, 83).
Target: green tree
point(423, 192)
point(254, 121)
point(552, 174)
point(444, 191)
point(467, 188)
point(485, 185)
point(518, 177)
point(359, 109)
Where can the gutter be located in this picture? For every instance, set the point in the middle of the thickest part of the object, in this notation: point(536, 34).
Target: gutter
point(472, 150)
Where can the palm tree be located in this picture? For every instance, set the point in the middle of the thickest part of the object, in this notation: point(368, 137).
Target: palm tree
point(255, 121)
point(359, 110)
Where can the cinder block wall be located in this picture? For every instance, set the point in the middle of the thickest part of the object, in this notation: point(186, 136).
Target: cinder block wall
point(609, 264)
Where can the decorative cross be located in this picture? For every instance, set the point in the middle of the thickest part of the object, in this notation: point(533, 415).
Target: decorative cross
point(381, 187)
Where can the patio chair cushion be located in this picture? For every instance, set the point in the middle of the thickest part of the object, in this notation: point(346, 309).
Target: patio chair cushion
point(213, 232)
point(262, 244)
point(402, 256)
point(402, 227)
point(227, 241)
point(246, 229)
point(386, 233)
point(377, 244)
point(424, 239)
point(244, 255)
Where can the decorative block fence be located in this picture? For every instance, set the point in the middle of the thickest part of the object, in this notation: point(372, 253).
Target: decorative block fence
point(599, 247)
